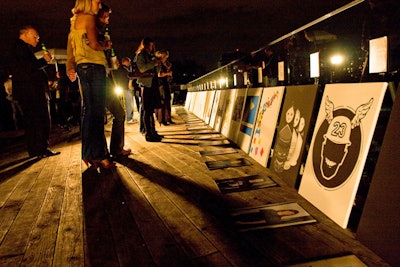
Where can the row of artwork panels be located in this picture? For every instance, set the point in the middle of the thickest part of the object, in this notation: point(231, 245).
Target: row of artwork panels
point(248, 117)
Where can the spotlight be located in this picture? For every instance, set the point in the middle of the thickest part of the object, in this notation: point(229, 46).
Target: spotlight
point(337, 59)
point(118, 90)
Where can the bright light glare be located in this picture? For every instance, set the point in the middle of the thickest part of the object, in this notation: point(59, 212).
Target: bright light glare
point(337, 60)
point(222, 82)
point(118, 90)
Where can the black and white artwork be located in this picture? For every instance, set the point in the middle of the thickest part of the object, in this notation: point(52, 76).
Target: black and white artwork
point(271, 216)
point(342, 136)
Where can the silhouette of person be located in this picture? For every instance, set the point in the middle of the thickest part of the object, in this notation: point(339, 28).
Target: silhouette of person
point(30, 89)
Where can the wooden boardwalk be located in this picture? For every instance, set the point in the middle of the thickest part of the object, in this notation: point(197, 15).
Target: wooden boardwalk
point(159, 207)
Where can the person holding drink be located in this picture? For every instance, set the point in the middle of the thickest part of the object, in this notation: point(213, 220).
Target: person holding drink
point(86, 59)
point(30, 89)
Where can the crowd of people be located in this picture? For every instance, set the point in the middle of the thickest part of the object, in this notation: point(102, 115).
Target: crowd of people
point(82, 94)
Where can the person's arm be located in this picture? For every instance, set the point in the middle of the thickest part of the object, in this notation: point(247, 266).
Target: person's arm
point(144, 66)
point(71, 64)
point(91, 30)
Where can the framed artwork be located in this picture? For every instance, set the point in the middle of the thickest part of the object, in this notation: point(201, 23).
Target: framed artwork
point(247, 122)
point(265, 125)
point(342, 136)
point(237, 114)
point(227, 163)
point(219, 109)
point(229, 108)
point(271, 216)
point(209, 103)
point(188, 100)
point(213, 113)
point(294, 126)
point(192, 101)
point(199, 104)
point(244, 183)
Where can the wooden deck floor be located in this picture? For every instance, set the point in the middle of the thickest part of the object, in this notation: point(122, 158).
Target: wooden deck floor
point(159, 207)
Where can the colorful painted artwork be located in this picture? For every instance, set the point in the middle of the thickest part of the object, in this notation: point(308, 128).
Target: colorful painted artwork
point(265, 124)
point(248, 119)
point(342, 136)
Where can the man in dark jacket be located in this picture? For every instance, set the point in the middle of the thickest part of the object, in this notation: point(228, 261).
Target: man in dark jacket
point(30, 88)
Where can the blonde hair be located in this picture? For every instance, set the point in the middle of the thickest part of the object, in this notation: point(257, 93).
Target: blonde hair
point(83, 6)
point(140, 48)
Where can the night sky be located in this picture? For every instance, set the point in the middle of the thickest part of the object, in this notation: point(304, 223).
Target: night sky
point(194, 30)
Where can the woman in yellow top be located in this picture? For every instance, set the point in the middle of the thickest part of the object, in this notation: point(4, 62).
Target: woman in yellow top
point(86, 59)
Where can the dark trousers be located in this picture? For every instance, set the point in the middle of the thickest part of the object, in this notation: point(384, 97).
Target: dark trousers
point(36, 119)
point(117, 139)
point(149, 103)
point(92, 78)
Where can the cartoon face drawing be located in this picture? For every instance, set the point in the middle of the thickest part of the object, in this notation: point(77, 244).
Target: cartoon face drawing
point(282, 148)
point(302, 124)
point(290, 114)
point(337, 144)
point(296, 118)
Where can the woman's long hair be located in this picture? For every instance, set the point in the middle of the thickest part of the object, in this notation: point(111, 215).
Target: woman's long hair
point(83, 6)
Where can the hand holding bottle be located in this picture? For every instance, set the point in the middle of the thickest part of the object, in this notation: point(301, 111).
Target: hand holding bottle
point(107, 40)
point(46, 54)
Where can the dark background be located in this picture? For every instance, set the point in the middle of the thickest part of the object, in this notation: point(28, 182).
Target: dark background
point(198, 31)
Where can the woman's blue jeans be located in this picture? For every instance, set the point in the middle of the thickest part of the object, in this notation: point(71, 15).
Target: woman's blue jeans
point(92, 79)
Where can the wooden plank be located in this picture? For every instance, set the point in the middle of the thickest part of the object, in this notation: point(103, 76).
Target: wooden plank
point(15, 191)
point(18, 235)
point(69, 247)
point(206, 208)
point(165, 251)
point(41, 245)
point(10, 170)
point(190, 238)
point(127, 240)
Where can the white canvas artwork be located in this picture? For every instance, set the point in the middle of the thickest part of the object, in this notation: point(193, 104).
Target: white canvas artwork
point(199, 103)
point(188, 100)
point(214, 109)
point(265, 124)
point(216, 122)
point(193, 96)
point(342, 136)
point(208, 106)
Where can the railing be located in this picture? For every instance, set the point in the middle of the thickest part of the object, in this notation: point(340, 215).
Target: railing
point(342, 35)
